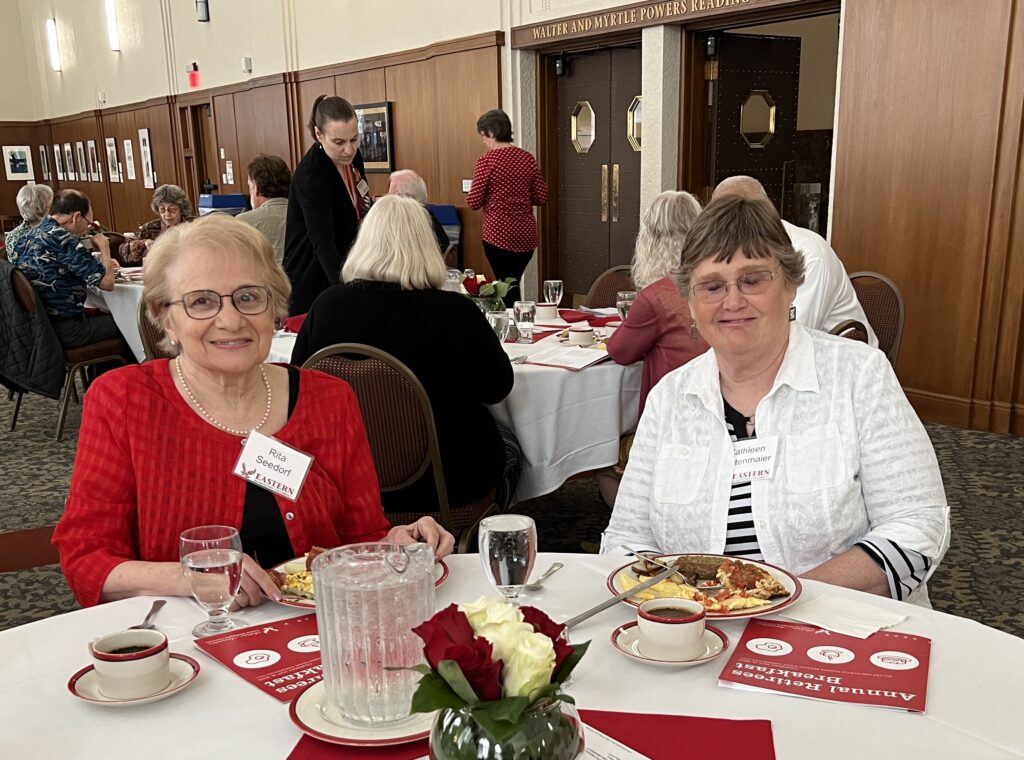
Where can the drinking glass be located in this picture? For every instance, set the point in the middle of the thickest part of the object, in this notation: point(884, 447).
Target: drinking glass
point(525, 313)
point(453, 281)
point(508, 548)
point(553, 291)
point(211, 557)
point(624, 301)
point(499, 322)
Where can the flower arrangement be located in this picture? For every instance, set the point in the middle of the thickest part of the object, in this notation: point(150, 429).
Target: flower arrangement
point(496, 661)
point(487, 288)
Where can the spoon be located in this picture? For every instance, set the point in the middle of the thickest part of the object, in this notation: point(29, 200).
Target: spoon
point(145, 624)
point(537, 584)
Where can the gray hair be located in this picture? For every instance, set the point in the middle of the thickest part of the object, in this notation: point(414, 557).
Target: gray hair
point(34, 202)
point(662, 234)
point(743, 186)
point(396, 244)
point(408, 183)
point(175, 196)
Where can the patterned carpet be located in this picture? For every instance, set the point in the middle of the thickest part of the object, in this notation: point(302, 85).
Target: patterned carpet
point(983, 474)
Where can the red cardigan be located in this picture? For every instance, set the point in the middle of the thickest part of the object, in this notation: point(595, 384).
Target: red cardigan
point(507, 184)
point(148, 467)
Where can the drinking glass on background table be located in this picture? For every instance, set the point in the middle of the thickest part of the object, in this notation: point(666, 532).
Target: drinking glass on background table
point(499, 322)
point(525, 313)
point(211, 557)
point(553, 291)
point(508, 548)
point(624, 301)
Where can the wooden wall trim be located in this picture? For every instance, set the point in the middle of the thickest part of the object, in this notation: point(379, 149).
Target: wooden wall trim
point(163, 100)
point(94, 113)
point(940, 407)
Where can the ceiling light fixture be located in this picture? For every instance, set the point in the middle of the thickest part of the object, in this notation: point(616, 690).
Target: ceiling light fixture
point(113, 34)
point(51, 38)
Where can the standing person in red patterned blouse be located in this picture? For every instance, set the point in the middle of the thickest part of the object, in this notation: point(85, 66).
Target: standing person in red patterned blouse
point(507, 184)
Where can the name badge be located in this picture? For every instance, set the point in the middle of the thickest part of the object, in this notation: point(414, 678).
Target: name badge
point(754, 459)
point(362, 187)
point(273, 465)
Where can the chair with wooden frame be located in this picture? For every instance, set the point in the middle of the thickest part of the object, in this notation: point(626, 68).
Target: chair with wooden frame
point(24, 549)
point(151, 335)
point(399, 423)
point(608, 283)
point(851, 328)
point(883, 305)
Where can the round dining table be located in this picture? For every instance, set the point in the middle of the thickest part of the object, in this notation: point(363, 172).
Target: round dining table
point(972, 700)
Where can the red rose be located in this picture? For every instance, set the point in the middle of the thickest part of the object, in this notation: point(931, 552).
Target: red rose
point(483, 674)
point(447, 629)
point(471, 285)
point(543, 624)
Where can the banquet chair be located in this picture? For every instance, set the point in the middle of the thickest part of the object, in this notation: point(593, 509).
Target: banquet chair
point(608, 283)
point(400, 425)
point(852, 329)
point(151, 336)
point(883, 304)
point(24, 549)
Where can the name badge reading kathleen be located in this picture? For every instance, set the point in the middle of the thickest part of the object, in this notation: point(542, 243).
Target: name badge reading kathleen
point(273, 465)
point(754, 459)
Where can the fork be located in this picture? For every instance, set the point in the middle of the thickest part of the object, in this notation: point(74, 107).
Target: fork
point(145, 625)
point(652, 560)
point(537, 584)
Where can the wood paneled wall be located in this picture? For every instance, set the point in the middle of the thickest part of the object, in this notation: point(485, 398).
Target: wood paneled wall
point(930, 191)
point(32, 135)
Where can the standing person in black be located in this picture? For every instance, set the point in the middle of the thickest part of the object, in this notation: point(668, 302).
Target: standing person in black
point(390, 299)
point(328, 197)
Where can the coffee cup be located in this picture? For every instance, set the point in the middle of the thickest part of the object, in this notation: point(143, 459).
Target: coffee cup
point(581, 336)
point(670, 629)
point(547, 311)
point(131, 664)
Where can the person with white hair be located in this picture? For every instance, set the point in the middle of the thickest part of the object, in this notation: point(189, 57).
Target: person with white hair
point(409, 184)
point(826, 298)
point(33, 204)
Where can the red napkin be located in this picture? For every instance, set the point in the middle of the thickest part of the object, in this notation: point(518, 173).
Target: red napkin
point(309, 748)
point(294, 324)
point(571, 315)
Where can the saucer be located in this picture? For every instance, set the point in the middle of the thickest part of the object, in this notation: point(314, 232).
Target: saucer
point(305, 713)
point(85, 685)
point(626, 639)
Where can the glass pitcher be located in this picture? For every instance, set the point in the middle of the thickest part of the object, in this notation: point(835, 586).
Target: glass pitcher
point(369, 597)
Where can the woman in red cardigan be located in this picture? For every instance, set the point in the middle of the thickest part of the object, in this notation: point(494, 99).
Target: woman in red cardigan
point(159, 441)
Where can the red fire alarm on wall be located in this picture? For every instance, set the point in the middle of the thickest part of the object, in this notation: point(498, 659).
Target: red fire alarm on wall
point(192, 71)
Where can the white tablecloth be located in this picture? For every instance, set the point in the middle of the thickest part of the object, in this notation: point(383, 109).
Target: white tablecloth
point(566, 422)
point(123, 304)
point(973, 706)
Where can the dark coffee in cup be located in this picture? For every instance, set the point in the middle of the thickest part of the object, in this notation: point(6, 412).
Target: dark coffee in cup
point(669, 612)
point(129, 650)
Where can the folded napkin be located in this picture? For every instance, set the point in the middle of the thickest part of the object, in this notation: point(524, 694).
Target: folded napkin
point(294, 324)
point(571, 315)
point(843, 615)
point(309, 748)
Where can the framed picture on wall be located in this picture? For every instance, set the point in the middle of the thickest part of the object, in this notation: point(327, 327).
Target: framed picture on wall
point(375, 139)
point(58, 162)
point(69, 162)
point(95, 171)
point(146, 156)
point(18, 162)
point(82, 169)
point(112, 171)
point(44, 162)
point(129, 160)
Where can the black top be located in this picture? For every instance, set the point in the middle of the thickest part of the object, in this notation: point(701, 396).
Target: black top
point(442, 236)
point(321, 226)
point(446, 341)
point(263, 534)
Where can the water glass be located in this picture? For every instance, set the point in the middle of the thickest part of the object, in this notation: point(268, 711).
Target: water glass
point(553, 291)
point(508, 548)
point(499, 322)
point(525, 313)
point(624, 301)
point(453, 281)
point(211, 558)
point(369, 597)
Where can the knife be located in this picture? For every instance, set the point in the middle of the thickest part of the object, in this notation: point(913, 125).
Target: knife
point(616, 599)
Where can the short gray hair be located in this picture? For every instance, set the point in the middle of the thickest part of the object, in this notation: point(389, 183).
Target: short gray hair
point(396, 244)
point(34, 202)
point(663, 229)
point(408, 183)
point(175, 196)
point(743, 186)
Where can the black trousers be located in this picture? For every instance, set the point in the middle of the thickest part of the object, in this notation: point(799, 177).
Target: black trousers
point(507, 263)
point(73, 332)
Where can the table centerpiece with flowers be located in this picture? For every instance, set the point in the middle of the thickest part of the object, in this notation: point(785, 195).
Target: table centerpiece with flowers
point(486, 293)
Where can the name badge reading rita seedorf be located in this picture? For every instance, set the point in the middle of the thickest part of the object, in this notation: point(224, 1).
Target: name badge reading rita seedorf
point(754, 458)
point(273, 465)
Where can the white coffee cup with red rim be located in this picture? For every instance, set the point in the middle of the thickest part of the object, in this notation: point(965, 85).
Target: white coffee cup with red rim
point(581, 335)
point(547, 311)
point(131, 664)
point(670, 629)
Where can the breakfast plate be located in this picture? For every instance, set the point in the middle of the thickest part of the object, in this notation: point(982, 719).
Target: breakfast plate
point(295, 600)
point(307, 712)
point(85, 686)
point(626, 639)
point(623, 576)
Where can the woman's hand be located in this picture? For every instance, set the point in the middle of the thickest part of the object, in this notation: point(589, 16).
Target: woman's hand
point(256, 584)
point(427, 531)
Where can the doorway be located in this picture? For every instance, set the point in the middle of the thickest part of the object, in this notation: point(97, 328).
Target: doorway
point(199, 153)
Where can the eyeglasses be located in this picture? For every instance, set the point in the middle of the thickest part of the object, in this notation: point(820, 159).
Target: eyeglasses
point(206, 304)
point(749, 284)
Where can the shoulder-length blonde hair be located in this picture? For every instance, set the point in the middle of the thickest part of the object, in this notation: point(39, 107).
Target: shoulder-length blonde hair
point(218, 234)
point(662, 234)
point(396, 244)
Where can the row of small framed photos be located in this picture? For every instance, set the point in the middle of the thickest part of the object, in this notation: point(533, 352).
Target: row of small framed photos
point(88, 168)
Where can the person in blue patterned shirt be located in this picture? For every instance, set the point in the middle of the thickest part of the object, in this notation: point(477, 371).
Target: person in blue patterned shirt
point(60, 268)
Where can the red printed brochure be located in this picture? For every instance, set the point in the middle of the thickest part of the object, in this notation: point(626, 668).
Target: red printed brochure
point(887, 669)
point(281, 658)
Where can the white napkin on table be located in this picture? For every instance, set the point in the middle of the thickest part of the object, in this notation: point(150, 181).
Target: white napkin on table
point(843, 615)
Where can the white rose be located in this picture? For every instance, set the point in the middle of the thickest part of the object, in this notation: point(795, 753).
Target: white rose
point(530, 667)
point(499, 622)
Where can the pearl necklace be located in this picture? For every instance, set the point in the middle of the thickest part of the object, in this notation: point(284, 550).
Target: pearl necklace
point(209, 417)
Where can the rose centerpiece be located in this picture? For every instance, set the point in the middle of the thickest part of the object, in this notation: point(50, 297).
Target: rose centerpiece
point(486, 293)
point(495, 675)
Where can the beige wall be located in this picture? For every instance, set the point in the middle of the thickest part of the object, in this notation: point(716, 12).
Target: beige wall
point(16, 101)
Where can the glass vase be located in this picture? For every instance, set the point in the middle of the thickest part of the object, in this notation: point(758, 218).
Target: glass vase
point(488, 303)
point(548, 730)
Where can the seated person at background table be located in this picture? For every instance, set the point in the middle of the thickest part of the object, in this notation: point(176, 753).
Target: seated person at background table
point(408, 183)
point(159, 441)
point(391, 299)
point(33, 204)
point(173, 206)
point(60, 268)
point(852, 495)
point(269, 182)
point(826, 297)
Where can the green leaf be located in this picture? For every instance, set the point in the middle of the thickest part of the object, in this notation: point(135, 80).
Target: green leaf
point(500, 718)
point(421, 668)
point(570, 662)
point(450, 671)
point(434, 693)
